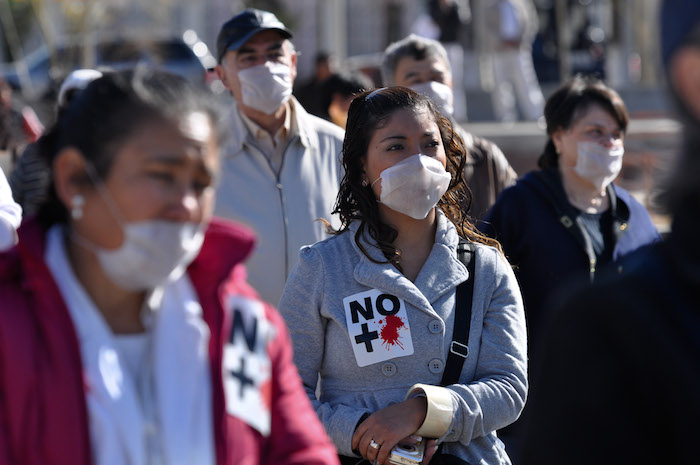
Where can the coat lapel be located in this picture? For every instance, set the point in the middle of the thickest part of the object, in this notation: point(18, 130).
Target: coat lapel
point(441, 272)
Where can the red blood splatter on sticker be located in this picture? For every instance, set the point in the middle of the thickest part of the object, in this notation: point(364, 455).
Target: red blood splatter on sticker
point(390, 331)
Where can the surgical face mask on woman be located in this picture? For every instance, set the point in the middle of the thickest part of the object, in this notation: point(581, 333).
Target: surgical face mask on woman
point(597, 164)
point(152, 253)
point(266, 87)
point(414, 185)
point(439, 93)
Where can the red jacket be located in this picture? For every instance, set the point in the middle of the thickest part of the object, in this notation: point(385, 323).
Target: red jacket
point(43, 415)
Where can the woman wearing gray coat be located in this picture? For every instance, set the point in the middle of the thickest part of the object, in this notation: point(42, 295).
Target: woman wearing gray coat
point(371, 310)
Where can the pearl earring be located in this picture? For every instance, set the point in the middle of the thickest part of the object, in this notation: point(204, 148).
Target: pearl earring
point(77, 203)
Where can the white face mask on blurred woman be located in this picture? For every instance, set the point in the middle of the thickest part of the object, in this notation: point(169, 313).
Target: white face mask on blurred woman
point(152, 253)
point(597, 164)
point(414, 186)
point(265, 87)
point(439, 93)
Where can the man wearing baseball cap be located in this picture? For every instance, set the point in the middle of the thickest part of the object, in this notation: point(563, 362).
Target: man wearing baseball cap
point(280, 171)
point(620, 381)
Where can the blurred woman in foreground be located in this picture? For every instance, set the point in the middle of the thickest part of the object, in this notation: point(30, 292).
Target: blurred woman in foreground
point(124, 308)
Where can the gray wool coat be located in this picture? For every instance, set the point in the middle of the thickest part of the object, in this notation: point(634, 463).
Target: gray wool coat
point(369, 333)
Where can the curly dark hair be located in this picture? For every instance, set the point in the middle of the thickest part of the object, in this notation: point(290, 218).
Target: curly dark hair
point(368, 112)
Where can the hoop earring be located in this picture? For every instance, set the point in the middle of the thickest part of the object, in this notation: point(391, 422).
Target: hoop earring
point(77, 202)
point(364, 183)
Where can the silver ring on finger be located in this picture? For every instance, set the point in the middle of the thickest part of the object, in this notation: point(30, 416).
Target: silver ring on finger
point(374, 445)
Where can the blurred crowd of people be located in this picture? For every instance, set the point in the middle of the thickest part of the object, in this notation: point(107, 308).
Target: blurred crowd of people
point(511, 26)
point(335, 272)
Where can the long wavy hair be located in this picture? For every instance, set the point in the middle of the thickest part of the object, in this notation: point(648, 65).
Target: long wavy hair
point(368, 112)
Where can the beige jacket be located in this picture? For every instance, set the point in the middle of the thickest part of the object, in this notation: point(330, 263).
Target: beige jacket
point(281, 209)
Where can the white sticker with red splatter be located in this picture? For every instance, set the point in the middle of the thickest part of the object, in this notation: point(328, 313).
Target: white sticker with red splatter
point(377, 326)
point(246, 365)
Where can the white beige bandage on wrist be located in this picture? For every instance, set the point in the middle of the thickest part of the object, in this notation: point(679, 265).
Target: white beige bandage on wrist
point(440, 409)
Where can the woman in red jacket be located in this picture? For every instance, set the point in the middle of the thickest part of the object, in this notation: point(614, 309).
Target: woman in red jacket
point(127, 331)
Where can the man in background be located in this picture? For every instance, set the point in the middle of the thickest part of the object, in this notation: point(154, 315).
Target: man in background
point(281, 170)
point(511, 29)
point(308, 93)
point(422, 64)
point(339, 90)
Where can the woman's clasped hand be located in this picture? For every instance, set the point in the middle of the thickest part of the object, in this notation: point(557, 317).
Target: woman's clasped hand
point(396, 424)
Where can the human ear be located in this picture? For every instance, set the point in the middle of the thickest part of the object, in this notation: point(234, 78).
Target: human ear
point(448, 80)
point(337, 110)
point(293, 65)
point(70, 175)
point(684, 74)
point(221, 74)
point(556, 140)
point(363, 166)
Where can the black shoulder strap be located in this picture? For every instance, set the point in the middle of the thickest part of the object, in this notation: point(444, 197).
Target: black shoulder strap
point(459, 349)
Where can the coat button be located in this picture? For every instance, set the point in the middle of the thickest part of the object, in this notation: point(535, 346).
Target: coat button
point(435, 326)
point(436, 365)
point(389, 369)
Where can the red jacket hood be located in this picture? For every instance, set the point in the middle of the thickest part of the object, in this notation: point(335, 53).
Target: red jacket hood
point(226, 244)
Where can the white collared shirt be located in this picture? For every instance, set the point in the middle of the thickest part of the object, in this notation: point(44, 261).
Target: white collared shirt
point(273, 146)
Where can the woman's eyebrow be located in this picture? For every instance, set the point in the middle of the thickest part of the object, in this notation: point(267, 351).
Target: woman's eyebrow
point(393, 137)
point(167, 159)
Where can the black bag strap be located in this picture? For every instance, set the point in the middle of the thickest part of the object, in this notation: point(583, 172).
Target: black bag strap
point(459, 350)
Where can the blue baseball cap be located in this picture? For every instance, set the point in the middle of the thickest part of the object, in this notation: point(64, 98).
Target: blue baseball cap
point(678, 19)
point(238, 30)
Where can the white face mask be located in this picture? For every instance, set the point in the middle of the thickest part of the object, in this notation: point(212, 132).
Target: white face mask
point(598, 164)
point(439, 93)
point(266, 87)
point(152, 253)
point(414, 186)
